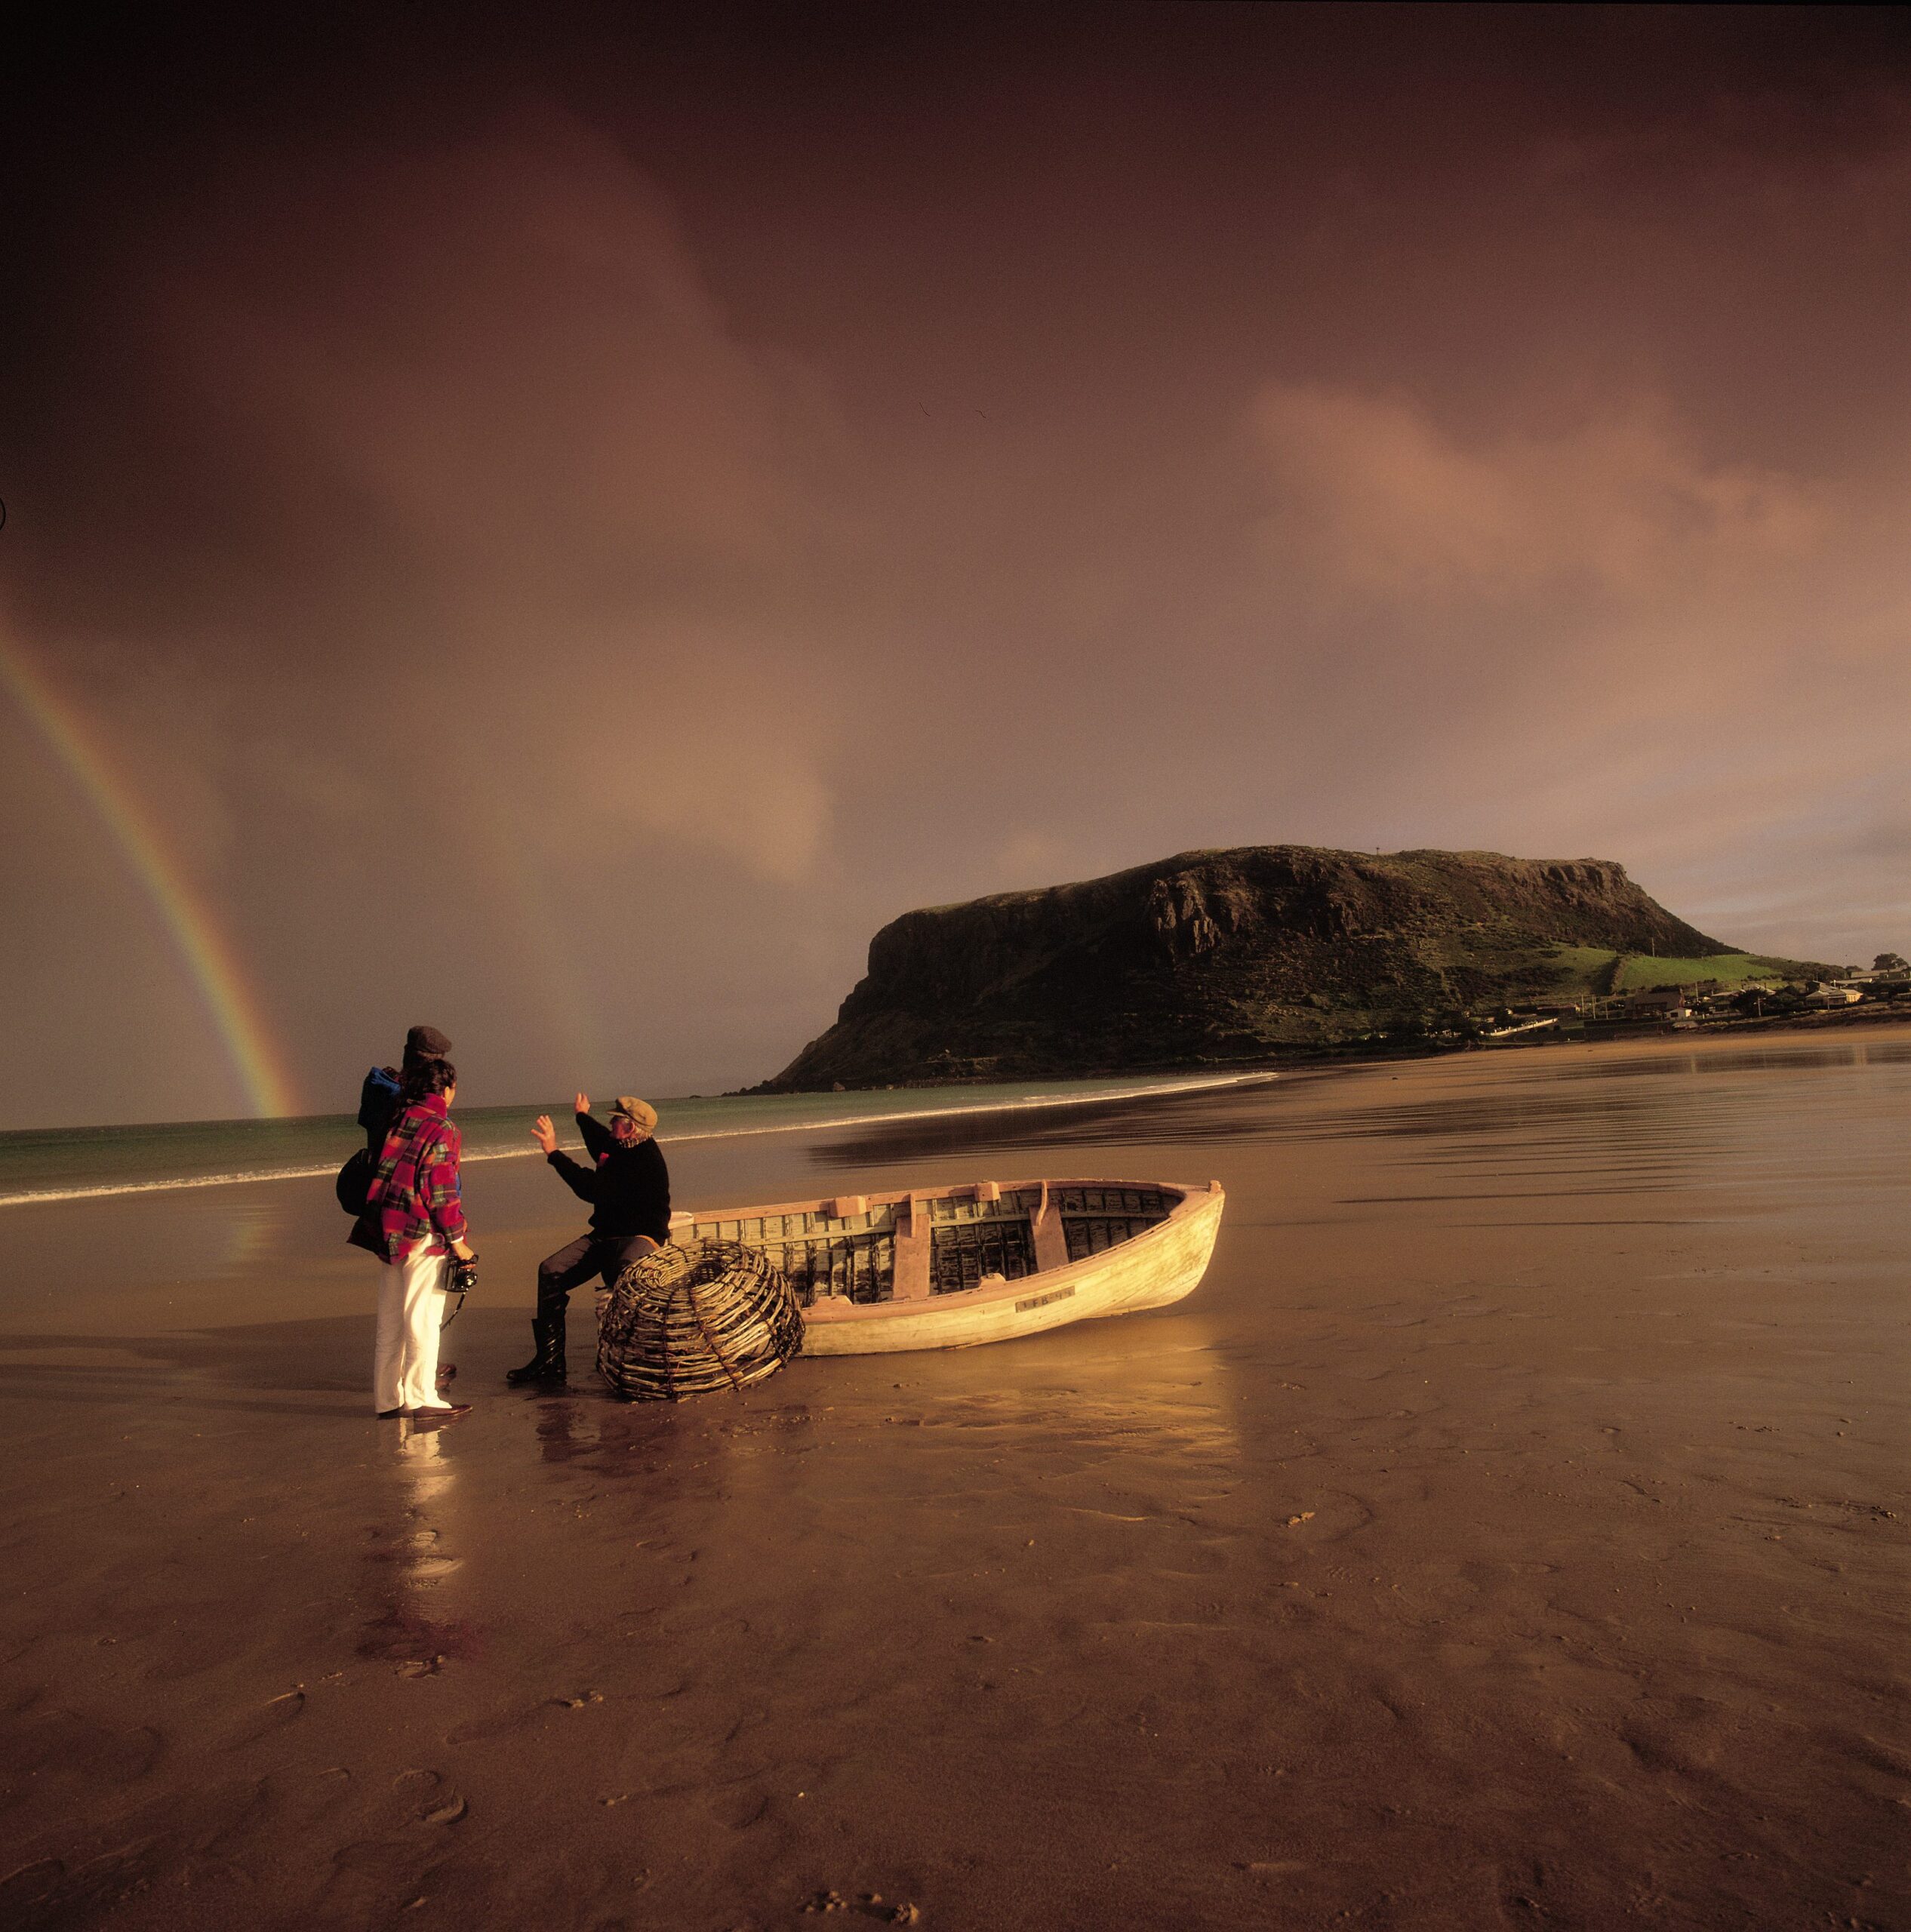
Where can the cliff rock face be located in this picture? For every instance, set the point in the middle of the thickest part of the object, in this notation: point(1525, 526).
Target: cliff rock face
point(1218, 956)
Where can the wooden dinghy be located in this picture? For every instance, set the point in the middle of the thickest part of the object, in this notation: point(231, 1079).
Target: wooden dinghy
point(944, 1268)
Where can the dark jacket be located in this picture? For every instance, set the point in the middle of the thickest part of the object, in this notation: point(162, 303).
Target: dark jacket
point(629, 1188)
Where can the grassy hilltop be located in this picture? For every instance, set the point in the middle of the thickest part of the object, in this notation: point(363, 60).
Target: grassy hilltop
point(1211, 957)
point(1599, 973)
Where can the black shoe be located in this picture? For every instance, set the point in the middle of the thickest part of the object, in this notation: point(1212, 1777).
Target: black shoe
point(390, 1415)
point(547, 1364)
point(539, 1368)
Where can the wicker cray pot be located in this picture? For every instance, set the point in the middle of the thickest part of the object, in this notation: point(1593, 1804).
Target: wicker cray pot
point(694, 1320)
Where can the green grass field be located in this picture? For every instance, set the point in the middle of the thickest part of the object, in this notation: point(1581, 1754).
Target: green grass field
point(1583, 965)
point(1593, 968)
point(1640, 970)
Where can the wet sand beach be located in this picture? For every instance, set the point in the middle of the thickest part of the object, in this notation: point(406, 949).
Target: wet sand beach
point(1509, 1532)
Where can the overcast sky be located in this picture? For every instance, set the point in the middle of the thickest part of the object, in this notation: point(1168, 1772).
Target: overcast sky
point(567, 526)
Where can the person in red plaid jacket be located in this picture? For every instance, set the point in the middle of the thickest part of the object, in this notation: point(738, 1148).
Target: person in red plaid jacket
point(414, 1200)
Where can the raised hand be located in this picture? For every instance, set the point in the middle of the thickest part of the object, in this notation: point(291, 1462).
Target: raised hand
point(545, 1134)
point(583, 1103)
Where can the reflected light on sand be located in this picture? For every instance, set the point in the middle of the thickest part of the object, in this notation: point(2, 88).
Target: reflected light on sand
point(250, 1234)
point(418, 1630)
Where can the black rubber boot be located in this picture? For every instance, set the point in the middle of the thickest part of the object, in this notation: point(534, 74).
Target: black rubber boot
point(547, 1364)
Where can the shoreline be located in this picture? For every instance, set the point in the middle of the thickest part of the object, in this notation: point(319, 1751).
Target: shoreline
point(310, 1170)
point(1304, 1061)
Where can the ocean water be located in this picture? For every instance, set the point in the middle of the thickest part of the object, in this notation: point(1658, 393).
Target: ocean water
point(64, 1163)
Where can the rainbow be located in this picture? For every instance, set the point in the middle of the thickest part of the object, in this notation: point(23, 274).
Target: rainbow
point(205, 949)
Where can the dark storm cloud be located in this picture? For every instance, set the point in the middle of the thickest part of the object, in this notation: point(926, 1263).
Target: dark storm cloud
point(570, 525)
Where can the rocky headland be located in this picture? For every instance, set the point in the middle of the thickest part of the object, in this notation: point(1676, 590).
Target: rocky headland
point(1236, 957)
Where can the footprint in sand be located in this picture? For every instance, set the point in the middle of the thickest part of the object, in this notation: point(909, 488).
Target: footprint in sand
point(739, 1813)
point(482, 1730)
point(275, 1714)
point(421, 1787)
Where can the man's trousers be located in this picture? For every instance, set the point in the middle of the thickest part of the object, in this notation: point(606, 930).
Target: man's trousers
point(605, 1256)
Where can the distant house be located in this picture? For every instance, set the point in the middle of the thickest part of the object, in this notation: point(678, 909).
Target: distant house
point(1658, 1003)
point(1834, 996)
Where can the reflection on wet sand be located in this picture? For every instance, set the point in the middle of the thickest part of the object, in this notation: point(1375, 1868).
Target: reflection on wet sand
point(845, 1482)
point(1560, 1124)
point(412, 1554)
point(1742, 1057)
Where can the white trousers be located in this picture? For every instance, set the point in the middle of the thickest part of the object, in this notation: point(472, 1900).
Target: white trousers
point(410, 1313)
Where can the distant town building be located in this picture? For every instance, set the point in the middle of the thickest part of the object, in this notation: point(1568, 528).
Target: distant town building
point(1658, 1003)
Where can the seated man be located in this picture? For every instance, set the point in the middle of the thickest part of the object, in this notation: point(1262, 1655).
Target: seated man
point(628, 1188)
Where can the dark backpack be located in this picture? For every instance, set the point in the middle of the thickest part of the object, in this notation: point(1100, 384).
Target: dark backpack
point(378, 1107)
point(353, 1186)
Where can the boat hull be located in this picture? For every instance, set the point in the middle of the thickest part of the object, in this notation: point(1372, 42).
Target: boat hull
point(1150, 1269)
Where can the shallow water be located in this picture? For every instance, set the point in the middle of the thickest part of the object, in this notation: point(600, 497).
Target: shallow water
point(1737, 1129)
point(1507, 1532)
point(41, 1166)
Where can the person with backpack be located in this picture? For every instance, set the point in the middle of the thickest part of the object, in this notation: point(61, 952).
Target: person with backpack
point(414, 1222)
point(628, 1185)
point(380, 1103)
